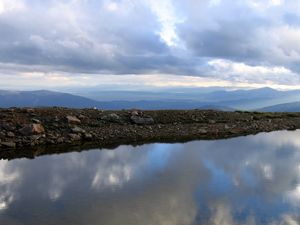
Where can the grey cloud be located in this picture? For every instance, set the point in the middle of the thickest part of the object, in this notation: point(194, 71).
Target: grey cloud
point(242, 32)
point(88, 37)
point(224, 43)
point(96, 43)
point(228, 37)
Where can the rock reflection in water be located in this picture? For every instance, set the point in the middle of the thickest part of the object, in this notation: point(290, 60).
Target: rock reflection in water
point(246, 180)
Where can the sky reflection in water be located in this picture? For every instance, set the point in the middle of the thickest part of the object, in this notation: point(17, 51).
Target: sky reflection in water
point(246, 180)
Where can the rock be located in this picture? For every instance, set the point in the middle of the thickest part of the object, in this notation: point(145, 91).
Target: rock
point(60, 140)
point(73, 120)
point(135, 113)
point(37, 129)
point(226, 127)
point(10, 134)
point(8, 127)
point(55, 125)
point(8, 144)
point(88, 137)
point(75, 137)
point(235, 131)
point(29, 110)
point(112, 117)
point(77, 130)
point(26, 131)
point(211, 121)
point(35, 137)
point(142, 120)
point(51, 142)
point(82, 117)
point(50, 135)
point(32, 129)
point(2, 134)
point(202, 131)
point(34, 120)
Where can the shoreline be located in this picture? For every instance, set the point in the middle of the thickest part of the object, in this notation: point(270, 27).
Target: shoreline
point(28, 132)
point(36, 151)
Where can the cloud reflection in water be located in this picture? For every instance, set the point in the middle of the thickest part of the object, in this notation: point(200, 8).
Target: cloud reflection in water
point(246, 180)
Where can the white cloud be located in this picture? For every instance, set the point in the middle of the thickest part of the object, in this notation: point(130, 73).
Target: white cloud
point(241, 72)
point(7, 6)
point(112, 6)
point(277, 2)
point(168, 19)
point(8, 180)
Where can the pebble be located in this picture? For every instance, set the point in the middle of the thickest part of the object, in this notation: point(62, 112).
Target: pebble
point(8, 144)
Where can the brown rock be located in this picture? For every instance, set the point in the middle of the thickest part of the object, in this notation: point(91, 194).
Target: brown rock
point(32, 129)
point(37, 128)
point(73, 120)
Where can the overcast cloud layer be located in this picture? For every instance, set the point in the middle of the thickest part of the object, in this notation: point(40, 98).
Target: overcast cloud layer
point(237, 41)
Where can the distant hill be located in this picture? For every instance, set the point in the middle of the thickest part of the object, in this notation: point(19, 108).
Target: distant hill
point(156, 105)
point(220, 100)
point(252, 99)
point(237, 99)
point(43, 98)
point(243, 94)
point(287, 107)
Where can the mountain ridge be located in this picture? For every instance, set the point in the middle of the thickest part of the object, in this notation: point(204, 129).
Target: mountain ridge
point(285, 107)
point(225, 100)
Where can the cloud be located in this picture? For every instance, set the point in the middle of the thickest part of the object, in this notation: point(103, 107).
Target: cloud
point(237, 181)
point(252, 32)
point(7, 6)
point(242, 73)
point(81, 36)
point(143, 37)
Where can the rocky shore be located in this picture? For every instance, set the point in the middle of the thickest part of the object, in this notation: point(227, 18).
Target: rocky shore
point(27, 132)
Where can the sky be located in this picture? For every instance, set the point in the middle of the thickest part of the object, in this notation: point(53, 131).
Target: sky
point(136, 44)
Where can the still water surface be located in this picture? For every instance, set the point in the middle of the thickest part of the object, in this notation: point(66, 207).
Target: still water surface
point(245, 180)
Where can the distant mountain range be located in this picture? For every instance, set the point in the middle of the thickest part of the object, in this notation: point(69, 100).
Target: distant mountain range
point(236, 99)
point(43, 98)
point(287, 107)
point(263, 99)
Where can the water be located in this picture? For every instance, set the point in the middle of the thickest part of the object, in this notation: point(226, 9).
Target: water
point(246, 180)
